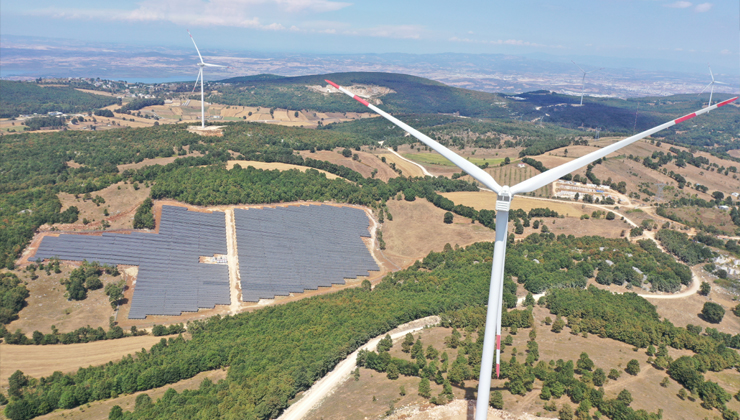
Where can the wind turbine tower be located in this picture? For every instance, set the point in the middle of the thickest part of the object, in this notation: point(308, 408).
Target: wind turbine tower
point(583, 79)
point(200, 77)
point(492, 336)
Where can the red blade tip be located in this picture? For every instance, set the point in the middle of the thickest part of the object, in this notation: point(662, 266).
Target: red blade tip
point(723, 103)
point(332, 83)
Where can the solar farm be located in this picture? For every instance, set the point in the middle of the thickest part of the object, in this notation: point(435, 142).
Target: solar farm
point(292, 249)
point(281, 251)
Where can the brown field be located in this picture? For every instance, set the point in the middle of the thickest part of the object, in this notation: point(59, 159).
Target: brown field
point(364, 166)
point(354, 399)
point(715, 217)
point(121, 200)
point(480, 200)
point(269, 166)
point(686, 311)
point(99, 410)
point(407, 168)
point(97, 92)
point(408, 237)
point(40, 361)
point(47, 306)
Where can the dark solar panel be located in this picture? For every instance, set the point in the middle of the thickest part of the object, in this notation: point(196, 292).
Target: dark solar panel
point(170, 280)
point(293, 249)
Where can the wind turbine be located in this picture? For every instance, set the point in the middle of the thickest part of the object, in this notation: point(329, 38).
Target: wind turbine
point(503, 203)
point(200, 76)
point(711, 84)
point(583, 80)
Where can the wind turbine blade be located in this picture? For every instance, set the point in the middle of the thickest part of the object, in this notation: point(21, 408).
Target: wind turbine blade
point(196, 80)
point(710, 72)
point(705, 88)
point(196, 46)
point(462, 163)
point(578, 66)
point(547, 177)
point(720, 83)
point(213, 65)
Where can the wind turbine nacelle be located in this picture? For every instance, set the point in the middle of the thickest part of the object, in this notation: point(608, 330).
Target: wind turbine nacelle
point(201, 64)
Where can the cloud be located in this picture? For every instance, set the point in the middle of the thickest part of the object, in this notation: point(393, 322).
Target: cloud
point(235, 13)
point(704, 7)
point(679, 4)
point(517, 42)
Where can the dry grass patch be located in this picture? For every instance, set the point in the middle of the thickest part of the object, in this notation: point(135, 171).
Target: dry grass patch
point(417, 229)
point(484, 200)
point(47, 306)
point(38, 361)
point(121, 202)
point(364, 166)
point(269, 166)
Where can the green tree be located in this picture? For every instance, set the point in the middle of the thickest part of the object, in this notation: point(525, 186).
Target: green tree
point(448, 217)
point(392, 371)
point(599, 377)
point(566, 412)
point(705, 288)
point(115, 413)
point(497, 400)
point(633, 367)
point(385, 343)
point(584, 363)
point(614, 374)
point(425, 389)
point(529, 300)
point(558, 325)
point(712, 312)
point(408, 341)
point(625, 397)
point(16, 382)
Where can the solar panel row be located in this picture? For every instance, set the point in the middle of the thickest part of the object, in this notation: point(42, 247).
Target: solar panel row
point(292, 249)
point(170, 279)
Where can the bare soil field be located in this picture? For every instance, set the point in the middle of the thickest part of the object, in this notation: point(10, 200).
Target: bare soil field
point(97, 92)
point(481, 200)
point(365, 165)
point(121, 200)
point(512, 174)
point(99, 410)
point(40, 361)
point(269, 166)
point(354, 400)
point(47, 306)
point(686, 311)
point(408, 236)
point(155, 161)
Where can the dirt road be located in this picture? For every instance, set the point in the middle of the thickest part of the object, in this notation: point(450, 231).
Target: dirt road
point(326, 385)
point(423, 169)
point(233, 261)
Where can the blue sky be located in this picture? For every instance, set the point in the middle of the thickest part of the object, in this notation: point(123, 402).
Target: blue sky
point(686, 31)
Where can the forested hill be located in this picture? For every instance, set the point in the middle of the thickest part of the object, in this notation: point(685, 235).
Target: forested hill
point(28, 98)
point(417, 95)
point(411, 94)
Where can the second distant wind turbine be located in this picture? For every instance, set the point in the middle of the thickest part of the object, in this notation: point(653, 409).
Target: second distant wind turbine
point(583, 80)
point(711, 85)
point(200, 77)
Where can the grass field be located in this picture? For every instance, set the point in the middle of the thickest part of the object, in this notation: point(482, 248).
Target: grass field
point(407, 168)
point(40, 361)
point(269, 166)
point(437, 159)
point(372, 394)
point(484, 200)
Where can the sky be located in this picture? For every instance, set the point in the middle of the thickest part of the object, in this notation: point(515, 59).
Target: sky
point(671, 30)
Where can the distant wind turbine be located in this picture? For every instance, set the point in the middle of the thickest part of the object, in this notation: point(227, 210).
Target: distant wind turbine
point(200, 76)
point(711, 85)
point(583, 80)
point(503, 203)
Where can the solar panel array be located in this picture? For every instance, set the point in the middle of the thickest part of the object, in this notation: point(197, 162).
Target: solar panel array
point(170, 280)
point(292, 249)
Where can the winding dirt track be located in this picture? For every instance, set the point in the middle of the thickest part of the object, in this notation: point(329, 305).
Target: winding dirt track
point(326, 385)
point(423, 169)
